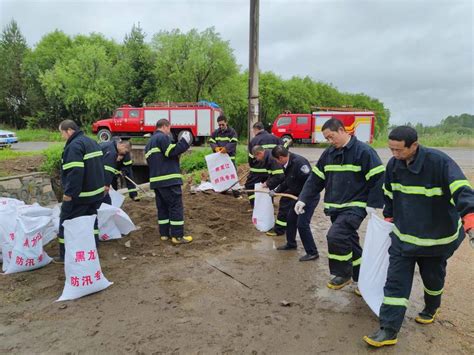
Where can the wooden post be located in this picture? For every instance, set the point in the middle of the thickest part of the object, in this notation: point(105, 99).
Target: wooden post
point(253, 108)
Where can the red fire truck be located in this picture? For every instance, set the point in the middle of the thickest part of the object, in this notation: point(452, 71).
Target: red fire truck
point(199, 118)
point(306, 128)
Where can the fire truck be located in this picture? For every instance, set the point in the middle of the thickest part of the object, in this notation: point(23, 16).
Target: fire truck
point(306, 128)
point(198, 118)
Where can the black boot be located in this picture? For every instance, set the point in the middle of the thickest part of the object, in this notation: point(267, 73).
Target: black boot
point(338, 282)
point(426, 316)
point(382, 337)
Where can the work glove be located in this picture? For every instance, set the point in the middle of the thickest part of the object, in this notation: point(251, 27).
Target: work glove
point(223, 150)
point(388, 219)
point(136, 198)
point(299, 207)
point(469, 227)
point(272, 193)
point(217, 150)
point(186, 136)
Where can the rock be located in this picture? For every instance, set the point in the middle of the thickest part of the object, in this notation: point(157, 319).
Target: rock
point(285, 303)
point(124, 258)
point(63, 306)
point(128, 244)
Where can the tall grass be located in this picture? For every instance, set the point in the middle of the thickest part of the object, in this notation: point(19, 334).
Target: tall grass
point(436, 140)
point(6, 154)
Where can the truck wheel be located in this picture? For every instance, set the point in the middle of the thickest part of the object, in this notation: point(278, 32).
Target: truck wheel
point(286, 138)
point(104, 135)
point(180, 134)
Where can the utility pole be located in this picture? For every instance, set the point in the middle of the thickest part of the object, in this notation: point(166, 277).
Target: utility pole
point(253, 66)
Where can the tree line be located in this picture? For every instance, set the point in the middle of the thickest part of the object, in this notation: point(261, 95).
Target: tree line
point(85, 77)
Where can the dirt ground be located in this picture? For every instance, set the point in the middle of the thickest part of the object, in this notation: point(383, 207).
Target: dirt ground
point(22, 165)
point(230, 291)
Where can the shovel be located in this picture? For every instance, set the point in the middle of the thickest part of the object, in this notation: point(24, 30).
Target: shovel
point(293, 197)
point(145, 193)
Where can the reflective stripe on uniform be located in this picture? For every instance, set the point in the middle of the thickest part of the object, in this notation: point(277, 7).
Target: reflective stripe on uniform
point(345, 167)
point(97, 153)
point(177, 223)
point(234, 140)
point(377, 170)
point(395, 301)
point(346, 257)
point(455, 185)
point(344, 205)
point(281, 223)
point(251, 156)
point(276, 172)
point(232, 158)
point(223, 139)
point(92, 193)
point(60, 240)
point(111, 169)
point(128, 162)
point(319, 172)
point(152, 151)
point(163, 221)
point(433, 293)
point(212, 140)
point(96, 231)
point(417, 190)
point(132, 190)
point(357, 262)
point(73, 164)
point(268, 146)
point(386, 192)
point(169, 149)
point(424, 242)
point(251, 197)
point(166, 177)
point(260, 171)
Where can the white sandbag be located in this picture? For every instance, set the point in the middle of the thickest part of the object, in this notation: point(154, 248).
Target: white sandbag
point(8, 227)
point(113, 222)
point(116, 197)
point(34, 210)
point(50, 231)
point(375, 259)
point(263, 215)
point(28, 253)
point(81, 263)
point(6, 201)
point(221, 171)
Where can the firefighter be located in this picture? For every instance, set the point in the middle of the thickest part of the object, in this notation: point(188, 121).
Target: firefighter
point(224, 139)
point(297, 169)
point(274, 177)
point(352, 174)
point(257, 171)
point(428, 199)
point(82, 178)
point(165, 179)
point(117, 161)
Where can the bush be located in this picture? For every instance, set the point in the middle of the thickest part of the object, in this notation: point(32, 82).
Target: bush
point(52, 161)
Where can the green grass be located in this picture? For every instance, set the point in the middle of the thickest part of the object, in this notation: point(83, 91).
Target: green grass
point(6, 154)
point(436, 140)
point(52, 161)
point(39, 135)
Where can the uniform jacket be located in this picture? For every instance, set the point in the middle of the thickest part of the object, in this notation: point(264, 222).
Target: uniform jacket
point(426, 200)
point(82, 169)
point(351, 176)
point(297, 171)
point(275, 174)
point(226, 138)
point(267, 141)
point(113, 168)
point(162, 157)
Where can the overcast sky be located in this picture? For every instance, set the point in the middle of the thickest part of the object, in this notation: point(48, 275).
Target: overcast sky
point(416, 56)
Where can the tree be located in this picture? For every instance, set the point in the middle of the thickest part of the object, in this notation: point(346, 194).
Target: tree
point(135, 76)
point(190, 66)
point(13, 99)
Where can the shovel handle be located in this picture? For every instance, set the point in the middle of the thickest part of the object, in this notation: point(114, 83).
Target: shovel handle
point(293, 197)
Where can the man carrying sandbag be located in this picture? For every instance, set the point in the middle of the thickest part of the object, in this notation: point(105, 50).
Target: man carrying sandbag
point(297, 170)
point(351, 173)
point(274, 177)
point(224, 139)
point(257, 171)
point(82, 178)
point(431, 204)
point(117, 161)
point(166, 179)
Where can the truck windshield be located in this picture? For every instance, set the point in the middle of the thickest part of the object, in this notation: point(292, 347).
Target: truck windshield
point(118, 114)
point(283, 121)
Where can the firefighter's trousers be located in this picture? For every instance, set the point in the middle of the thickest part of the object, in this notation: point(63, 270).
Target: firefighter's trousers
point(169, 204)
point(398, 286)
point(344, 250)
point(252, 179)
point(283, 210)
point(70, 210)
point(301, 223)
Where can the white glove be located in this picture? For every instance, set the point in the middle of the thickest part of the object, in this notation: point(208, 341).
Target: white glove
point(299, 207)
point(470, 234)
point(370, 210)
point(186, 136)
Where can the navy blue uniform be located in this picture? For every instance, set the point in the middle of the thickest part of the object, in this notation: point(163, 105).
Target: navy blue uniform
point(82, 178)
point(297, 171)
point(426, 200)
point(258, 173)
point(166, 179)
point(227, 139)
point(352, 178)
point(113, 169)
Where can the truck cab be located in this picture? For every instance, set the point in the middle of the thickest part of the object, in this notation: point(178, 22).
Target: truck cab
point(293, 126)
